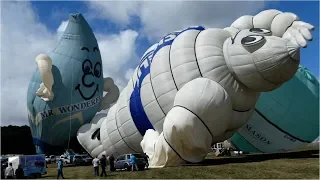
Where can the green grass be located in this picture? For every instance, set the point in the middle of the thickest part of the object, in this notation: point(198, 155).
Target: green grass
point(293, 165)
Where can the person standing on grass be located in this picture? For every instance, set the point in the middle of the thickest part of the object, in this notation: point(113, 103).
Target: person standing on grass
point(111, 161)
point(9, 172)
point(95, 163)
point(146, 159)
point(133, 162)
point(103, 163)
point(60, 169)
point(19, 172)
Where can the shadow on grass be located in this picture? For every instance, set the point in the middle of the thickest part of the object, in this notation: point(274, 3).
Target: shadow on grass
point(258, 158)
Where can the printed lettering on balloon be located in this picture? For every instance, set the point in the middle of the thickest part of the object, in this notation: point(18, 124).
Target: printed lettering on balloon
point(138, 114)
point(256, 135)
point(89, 71)
point(290, 138)
point(68, 108)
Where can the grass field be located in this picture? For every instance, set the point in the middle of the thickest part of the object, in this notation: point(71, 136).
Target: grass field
point(293, 165)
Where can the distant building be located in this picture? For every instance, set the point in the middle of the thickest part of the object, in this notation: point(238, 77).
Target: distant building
point(221, 145)
point(217, 146)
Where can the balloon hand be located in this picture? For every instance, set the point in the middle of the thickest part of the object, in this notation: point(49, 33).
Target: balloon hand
point(298, 33)
point(44, 93)
point(112, 93)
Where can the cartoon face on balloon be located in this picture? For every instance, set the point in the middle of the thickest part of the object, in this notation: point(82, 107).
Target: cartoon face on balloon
point(90, 72)
point(66, 90)
point(270, 60)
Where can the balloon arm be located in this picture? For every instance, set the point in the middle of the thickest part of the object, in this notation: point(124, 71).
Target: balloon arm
point(185, 126)
point(286, 25)
point(88, 135)
point(112, 93)
point(44, 63)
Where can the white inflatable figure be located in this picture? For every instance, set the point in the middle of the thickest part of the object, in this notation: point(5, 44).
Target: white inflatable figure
point(44, 63)
point(89, 134)
point(197, 87)
point(112, 95)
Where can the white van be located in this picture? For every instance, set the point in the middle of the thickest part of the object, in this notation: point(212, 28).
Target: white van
point(34, 166)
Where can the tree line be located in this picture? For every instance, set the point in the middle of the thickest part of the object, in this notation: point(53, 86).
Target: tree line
point(18, 140)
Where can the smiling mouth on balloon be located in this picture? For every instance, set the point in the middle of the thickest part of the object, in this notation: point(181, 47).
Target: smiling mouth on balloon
point(83, 96)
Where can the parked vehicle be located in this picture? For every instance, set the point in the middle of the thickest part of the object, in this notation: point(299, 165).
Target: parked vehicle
point(65, 160)
point(51, 159)
point(69, 154)
point(124, 162)
point(79, 160)
point(33, 165)
point(237, 152)
point(87, 159)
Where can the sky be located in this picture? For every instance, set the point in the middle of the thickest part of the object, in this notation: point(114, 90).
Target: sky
point(124, 31)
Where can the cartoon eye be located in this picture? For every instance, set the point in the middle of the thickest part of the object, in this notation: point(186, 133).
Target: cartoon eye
point(96, 134)
point(86, 66)
point(252, 40)
point(97, 69)
point(260, 31)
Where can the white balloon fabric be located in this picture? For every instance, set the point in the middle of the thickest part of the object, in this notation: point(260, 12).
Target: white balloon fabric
point(112, 95)
point(89, 135)
point(198, 86)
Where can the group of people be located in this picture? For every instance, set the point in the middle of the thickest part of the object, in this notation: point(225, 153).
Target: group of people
point(103, 164)
point(10, 174)
point(96, 162)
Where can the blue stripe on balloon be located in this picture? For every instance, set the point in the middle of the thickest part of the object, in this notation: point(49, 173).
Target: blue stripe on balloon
point(138, 114)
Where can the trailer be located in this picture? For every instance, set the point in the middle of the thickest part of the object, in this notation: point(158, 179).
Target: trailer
point(34, 166)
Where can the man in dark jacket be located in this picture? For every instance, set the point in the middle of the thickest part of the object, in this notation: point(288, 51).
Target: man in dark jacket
point(146, 159)
point(111, 161)
point(103, 163)
point(19, 172)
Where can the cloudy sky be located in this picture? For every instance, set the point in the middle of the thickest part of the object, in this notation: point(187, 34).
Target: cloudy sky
point(124, 31)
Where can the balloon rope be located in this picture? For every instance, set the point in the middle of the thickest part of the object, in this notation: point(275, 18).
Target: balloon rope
point(70, 111)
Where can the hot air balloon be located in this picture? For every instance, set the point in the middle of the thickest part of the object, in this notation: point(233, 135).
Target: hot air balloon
point(284, 119)
point(198, 86)
point(66, 89)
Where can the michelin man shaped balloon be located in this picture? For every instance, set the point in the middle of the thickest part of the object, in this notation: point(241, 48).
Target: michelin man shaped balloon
point(66, 90)
point(198, 86)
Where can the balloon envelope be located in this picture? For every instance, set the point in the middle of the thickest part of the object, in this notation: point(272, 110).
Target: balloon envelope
point(77, 88)
point(285, 119)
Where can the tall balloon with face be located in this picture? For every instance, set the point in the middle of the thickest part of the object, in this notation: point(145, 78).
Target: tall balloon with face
point(66, 89)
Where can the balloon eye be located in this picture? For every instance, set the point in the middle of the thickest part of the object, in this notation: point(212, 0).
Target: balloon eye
point(87, 69)
point(86, 66)
point(97, 70)
point(96, 134)
point(252, 40)
point(260, 31)
point(96, 73)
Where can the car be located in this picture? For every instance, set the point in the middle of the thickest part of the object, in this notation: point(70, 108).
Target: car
point(124, 161)
point(79, 160)
point(50, 159)
point(87, 159)
point(64, 159)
